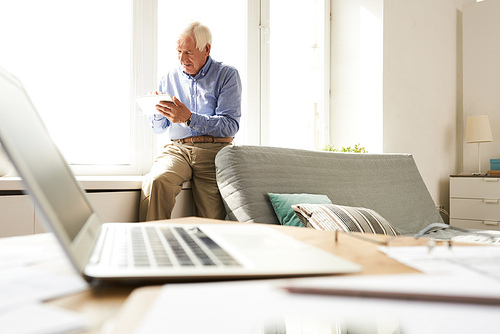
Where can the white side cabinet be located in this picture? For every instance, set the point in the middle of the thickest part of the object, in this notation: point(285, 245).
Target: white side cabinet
point(18, 215)
point(475, 202)
point(116, 199)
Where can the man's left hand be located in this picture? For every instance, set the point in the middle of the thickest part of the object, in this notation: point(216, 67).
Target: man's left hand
point(175, 112)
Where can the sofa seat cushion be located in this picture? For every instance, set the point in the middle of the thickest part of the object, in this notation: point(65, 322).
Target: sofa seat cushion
point(332, 217)
point(282, 204)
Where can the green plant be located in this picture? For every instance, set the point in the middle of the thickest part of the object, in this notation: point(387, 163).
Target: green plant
point(356, 149)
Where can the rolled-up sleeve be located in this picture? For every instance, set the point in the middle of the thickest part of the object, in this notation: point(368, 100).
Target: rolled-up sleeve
point(158, 123)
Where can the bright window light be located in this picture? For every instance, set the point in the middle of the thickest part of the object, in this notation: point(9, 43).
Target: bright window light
point(370, 80)
point(292, 111)
point(74, 60)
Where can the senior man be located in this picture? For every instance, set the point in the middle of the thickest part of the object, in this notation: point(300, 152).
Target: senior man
point(203, 119)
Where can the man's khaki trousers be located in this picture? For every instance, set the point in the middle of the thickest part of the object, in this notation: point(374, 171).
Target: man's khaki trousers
point(175, 165)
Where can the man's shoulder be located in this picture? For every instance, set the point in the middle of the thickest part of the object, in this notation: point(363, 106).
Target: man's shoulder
point(223, 67)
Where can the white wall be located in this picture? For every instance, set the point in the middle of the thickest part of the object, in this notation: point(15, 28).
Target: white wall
point(413, 102)
point(421, 84)
point(422, 87)
point(481, 58)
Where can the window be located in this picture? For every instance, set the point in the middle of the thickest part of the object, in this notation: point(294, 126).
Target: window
point(83, 62)
point(76, 66)
point(294, 73)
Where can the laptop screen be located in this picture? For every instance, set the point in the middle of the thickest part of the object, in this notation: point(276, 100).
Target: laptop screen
point(44, 171)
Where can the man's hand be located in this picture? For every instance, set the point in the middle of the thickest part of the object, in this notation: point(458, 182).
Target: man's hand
point(175, 112)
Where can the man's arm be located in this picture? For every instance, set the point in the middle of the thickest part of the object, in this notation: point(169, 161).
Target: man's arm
point(158, 123)
point(221, 122)
point(175, 112)
point(225, 122)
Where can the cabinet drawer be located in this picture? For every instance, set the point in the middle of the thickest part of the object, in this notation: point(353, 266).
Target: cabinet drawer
point(16, 215)
point(475, 187)
point(476, 224)
point(478, 209)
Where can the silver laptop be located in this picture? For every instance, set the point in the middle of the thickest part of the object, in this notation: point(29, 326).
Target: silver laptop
point(159, 251)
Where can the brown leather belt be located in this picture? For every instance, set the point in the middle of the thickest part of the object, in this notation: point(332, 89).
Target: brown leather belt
point(203, 139)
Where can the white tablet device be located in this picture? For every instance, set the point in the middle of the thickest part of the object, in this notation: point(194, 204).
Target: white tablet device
point(147, 103)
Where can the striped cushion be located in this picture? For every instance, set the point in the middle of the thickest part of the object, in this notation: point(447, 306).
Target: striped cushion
point(333, 217)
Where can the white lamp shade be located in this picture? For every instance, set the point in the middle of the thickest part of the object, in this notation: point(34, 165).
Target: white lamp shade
point(478, 129)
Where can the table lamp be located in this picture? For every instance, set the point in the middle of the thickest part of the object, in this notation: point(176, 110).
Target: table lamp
point(478, 131)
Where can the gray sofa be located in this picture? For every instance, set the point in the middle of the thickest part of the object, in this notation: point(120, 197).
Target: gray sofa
point(390, 184)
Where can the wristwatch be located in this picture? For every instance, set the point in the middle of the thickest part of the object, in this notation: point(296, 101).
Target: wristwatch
point(188, 122)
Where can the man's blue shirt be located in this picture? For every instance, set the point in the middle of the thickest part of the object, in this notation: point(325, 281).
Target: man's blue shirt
point(213, 96)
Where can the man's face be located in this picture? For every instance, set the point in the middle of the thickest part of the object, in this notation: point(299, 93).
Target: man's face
point(191, 59)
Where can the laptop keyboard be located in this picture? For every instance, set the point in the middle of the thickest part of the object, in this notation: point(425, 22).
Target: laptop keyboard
point(153, 246)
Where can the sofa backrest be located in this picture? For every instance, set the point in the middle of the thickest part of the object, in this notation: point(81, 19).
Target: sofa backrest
point(387, 183)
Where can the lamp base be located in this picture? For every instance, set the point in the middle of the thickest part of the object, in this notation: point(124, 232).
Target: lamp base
point(478, 159)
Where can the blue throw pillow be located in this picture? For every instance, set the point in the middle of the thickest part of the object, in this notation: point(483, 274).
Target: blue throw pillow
point(282, 204)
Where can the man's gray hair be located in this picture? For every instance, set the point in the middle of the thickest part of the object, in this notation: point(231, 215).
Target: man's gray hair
point(202, 34)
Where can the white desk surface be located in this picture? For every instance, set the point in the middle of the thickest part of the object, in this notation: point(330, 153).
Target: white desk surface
point(100, 310)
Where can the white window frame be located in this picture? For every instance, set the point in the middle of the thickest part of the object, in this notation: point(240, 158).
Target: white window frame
point(143, 79)
point(144, 71)
point(324, 134)
point(258, 80)
point(252, 120)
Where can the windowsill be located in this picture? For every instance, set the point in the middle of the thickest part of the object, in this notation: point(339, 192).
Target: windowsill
point(119, 182)
point(92, 183)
